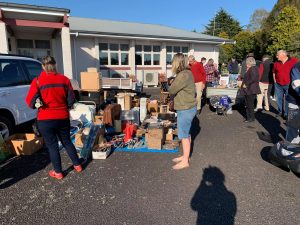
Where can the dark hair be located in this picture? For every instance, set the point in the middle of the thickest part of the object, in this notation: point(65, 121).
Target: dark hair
point(203, 58)
point(49, 64)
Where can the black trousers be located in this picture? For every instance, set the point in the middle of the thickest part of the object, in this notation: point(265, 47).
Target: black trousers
point(52, 130)
point(250, 106)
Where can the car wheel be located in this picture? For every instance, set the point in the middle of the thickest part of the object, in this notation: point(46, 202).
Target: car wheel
point(6, 127)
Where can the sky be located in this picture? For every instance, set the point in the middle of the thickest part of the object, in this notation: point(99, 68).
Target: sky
point(186, 15)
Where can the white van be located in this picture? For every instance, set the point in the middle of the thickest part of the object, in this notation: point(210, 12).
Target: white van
point(16, 74)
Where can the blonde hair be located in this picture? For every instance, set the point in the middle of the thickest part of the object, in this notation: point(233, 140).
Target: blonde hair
point(179, 63)
point(210, 62)
point(49, 64)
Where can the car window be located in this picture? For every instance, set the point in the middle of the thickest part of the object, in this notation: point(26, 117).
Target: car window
point(11, 73)
point(34, 69)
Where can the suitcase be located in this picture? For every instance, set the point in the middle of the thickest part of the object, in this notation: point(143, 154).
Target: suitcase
point(287, 155)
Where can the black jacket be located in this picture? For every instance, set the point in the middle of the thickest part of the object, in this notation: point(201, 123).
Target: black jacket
point(267, 75)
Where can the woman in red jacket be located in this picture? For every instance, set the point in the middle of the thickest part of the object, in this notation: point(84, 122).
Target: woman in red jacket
point(53, 95)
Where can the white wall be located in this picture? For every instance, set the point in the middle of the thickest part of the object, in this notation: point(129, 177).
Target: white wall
point(83, 55)
point(206, 50)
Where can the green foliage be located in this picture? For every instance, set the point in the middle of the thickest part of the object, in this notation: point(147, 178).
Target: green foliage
point(245, 43)
point(286, 25)
point(226, 51)
point(223, 22)
point(257, 19)
point(294, 47)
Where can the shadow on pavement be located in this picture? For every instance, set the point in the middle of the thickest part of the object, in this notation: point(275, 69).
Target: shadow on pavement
point(213, 202)
point(21, 167)
point(272, 126)
point(264, 153)
point(195, 130)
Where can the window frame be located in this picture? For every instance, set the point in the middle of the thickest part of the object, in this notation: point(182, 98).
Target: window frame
point(119, 52)
point(172, 53)
point(151, 52)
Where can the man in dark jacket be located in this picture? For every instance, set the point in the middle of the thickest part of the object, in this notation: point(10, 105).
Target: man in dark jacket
point(233, 69)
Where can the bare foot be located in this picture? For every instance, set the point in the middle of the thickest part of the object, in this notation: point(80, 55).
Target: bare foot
point(180, 166)
point(178, 159)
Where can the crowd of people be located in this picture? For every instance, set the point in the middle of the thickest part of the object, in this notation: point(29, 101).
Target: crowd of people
point(259, 81)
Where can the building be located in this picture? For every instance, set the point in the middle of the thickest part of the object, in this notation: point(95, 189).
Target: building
point(118, 48)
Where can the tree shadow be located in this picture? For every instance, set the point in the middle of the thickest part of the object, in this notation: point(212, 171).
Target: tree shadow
point(21, 167)
point(195, 130)
point(213, 202)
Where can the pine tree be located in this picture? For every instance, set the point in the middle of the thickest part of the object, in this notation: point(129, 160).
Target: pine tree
point(223, 22)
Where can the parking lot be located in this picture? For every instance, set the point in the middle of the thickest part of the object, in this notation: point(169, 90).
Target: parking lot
point(229, 182)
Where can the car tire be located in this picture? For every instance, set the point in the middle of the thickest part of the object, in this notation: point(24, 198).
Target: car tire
point(6, 127)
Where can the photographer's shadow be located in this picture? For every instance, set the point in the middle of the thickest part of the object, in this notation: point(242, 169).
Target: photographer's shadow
point(213, 202)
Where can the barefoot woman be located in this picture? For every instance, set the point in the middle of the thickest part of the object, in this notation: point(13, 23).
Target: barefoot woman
point(183, 88)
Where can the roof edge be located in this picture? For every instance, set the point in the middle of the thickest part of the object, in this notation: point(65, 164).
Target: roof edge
point(140, 36)
point(34, 7)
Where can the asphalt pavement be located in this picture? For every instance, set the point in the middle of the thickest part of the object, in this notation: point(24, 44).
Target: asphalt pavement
point(229, 181)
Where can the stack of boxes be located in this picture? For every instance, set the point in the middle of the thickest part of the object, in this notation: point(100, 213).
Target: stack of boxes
point(91, 83)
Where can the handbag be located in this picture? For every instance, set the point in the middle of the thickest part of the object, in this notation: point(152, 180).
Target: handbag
point(35, 127)
point(171, 104)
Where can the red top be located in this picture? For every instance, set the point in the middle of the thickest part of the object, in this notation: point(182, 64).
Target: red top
point(282, 71)
point(56, 93)
point(198, 72)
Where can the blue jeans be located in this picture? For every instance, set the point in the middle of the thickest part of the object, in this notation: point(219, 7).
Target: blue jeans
point(184, 121)
point(292, 134)
point(52, 130)
point(281, 91)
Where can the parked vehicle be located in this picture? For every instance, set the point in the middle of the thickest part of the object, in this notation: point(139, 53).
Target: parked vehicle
point(16, 75)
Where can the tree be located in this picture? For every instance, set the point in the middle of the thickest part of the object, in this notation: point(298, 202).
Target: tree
point(223, 22)
point(257, 19)
point(287, 25)
point(245, 43)
point(226, 50)
point(294, 48)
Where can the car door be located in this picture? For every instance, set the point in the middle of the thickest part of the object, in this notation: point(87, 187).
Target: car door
point(32, 69)
point(13, 89)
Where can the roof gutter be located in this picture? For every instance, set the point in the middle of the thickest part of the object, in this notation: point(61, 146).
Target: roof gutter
point(32, 11)
point(149, 38)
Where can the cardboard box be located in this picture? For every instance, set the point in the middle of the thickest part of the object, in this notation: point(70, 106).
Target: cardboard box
point(127, 102)
point(24, 144)
point(164, 109)
point(152, 107)
point(92, 69)
point(80, 139)
point(154, 143)
point(98, 153)
point(98, 120)
point(90, 81)
point(157, 133)
point(169, 137)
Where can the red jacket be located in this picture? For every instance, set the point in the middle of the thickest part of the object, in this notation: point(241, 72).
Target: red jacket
point(56, 93)
point(198, 72)
point(282, 71)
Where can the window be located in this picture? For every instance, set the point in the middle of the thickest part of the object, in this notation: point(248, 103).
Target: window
point(34, 48)
point(147, 55)
point(11, 73)
point(113, 54)
point(172, 50)
point(34, 69)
